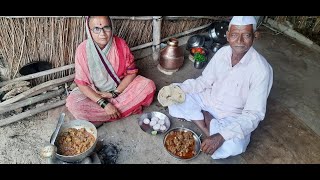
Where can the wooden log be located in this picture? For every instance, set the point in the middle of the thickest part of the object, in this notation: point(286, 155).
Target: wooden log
point(29, 113)
point(39, 74)
point(156, 37)
point(30, 101)
point(48, 84)
point(142, 46)
point(43, 90)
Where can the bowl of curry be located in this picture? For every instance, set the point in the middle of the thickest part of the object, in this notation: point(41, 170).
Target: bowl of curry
point(76, 140)
point(182, 143)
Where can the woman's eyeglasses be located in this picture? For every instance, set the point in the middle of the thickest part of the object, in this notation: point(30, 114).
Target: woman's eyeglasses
point(97, 30)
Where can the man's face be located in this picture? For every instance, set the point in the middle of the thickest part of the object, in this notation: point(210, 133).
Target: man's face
point(95, 24)
point(240, 38)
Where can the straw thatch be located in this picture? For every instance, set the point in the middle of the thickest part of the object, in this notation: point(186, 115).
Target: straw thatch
point(54, 39)
point(25, 40)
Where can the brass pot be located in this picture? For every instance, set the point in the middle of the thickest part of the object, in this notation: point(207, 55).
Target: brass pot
point(171, 57)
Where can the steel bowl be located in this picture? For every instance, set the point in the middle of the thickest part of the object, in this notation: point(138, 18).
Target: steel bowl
point(217, 31)
point(195, 136)
point(195, 41)
point(215, 47)
point(147, 128)
point(77, 124)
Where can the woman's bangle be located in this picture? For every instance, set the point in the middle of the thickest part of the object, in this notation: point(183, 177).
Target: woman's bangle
point(115, 93)
point(102, 102)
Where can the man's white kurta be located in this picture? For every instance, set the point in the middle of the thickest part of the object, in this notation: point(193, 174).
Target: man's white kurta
point(236, 94)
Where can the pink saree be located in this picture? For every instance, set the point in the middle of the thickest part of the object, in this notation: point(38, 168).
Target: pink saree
point(140, 91)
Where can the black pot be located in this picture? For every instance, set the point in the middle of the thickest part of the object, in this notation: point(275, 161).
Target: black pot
point(195, 41)
point(215, 47)
point(217, 32)
point(199, 65)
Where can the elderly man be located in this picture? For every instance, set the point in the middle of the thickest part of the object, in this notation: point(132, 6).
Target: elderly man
point(233, 88)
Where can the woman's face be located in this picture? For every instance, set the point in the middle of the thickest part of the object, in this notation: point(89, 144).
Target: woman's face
point(101, 31)
point(240, 38)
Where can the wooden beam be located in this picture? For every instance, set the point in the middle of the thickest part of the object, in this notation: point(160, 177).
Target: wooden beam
point(30, 113)
point(39, 74)
point(38, 88)
point(30, 101)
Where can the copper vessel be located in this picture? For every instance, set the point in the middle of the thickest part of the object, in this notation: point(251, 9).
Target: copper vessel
point(171, 57)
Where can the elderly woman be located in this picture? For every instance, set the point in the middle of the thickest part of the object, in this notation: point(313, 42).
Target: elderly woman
point(108, 85)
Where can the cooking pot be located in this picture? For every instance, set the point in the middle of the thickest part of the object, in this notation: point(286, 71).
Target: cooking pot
point(215, 47)
point(195, 41)
point(77, 124)
point(196, 139)
point(217, 31)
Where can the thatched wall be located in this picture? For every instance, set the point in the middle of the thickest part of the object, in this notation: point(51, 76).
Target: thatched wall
point(309, 26)
point(54, 39)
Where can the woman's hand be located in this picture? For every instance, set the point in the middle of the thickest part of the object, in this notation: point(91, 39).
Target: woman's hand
point(112, 111)
point(105, 94)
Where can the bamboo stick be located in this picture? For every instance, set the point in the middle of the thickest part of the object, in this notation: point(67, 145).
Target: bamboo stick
point(39, 74)
point(37, 88)
point(30, 101)
point(30, 113)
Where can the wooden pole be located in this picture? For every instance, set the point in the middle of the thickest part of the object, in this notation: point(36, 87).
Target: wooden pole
point(156, 23)
point(39, 74)
point(30, 113)
point(30, 101)
point(38, 88)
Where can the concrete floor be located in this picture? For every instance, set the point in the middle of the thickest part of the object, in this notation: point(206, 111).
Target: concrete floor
point(289, 133)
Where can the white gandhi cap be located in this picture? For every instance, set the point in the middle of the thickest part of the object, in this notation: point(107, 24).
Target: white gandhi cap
point(244, 20)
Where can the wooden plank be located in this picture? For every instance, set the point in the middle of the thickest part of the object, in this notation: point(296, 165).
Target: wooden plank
point(30, 113)
point(30, 101)
point(38, 88)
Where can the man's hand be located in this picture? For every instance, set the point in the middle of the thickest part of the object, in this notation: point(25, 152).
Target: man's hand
point(212, 143)
point(112, 111)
